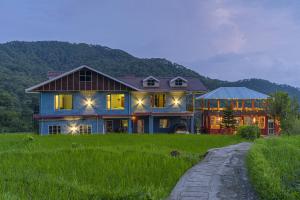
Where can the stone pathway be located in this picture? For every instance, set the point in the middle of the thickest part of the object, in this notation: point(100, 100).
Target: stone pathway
point(221, 175)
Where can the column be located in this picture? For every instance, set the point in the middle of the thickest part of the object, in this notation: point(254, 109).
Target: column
point(130, 126)
point(151, 124)
point(192, 124)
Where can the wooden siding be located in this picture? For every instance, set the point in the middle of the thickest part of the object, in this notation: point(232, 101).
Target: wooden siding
point(71, 82)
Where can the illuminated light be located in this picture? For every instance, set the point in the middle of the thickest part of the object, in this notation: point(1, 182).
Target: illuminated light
point(176, 102)
point(89, 102)
point(254, 120)
point(133, 118)
point(139, 102)
point(73, 129)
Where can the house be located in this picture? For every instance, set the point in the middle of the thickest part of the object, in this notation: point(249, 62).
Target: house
point(85, 100)
point(249, 108)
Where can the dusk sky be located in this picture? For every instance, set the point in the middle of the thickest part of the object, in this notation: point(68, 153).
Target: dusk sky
point(228, 40)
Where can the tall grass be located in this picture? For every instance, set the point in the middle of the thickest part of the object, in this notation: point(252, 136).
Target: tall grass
point(98, 166)
point(274, 167)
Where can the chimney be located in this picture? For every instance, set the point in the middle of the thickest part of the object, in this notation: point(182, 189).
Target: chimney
point(53, 74)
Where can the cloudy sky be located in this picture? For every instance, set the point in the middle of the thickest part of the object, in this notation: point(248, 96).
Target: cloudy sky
point(228, 40)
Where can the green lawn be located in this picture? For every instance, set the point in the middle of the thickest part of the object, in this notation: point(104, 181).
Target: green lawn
point(98, 166)
point(274, 167)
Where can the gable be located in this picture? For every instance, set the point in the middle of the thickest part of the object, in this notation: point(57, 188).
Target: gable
point(178, 82)
point(81, 79)
point(151, 81)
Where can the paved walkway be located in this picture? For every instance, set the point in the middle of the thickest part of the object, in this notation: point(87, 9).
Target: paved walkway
point(221, 175)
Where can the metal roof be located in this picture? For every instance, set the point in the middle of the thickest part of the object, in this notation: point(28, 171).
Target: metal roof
point(233, 93)
point(194, 84)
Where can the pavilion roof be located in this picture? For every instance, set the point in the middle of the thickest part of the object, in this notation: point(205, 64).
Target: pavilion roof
point(233, 93)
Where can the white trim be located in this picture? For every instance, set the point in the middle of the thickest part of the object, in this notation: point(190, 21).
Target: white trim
point(150, 77)
point(28, 90)
point(178, 77)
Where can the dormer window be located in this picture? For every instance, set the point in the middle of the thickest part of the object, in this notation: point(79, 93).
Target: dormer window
point(178, 82)
point(150, 81)
point(85, 76)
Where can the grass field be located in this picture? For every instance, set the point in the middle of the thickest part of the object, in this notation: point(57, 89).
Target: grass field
point(98, 166)
point(274, 167)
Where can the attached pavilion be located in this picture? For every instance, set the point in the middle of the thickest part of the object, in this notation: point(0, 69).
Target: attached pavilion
point(249, 108)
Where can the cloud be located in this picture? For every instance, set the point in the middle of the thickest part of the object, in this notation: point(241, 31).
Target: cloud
point(230, 39)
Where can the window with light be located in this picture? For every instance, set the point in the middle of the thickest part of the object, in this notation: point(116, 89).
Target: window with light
point(158, 100)
point(115, 101)
point(63, 102)
point(163, 123)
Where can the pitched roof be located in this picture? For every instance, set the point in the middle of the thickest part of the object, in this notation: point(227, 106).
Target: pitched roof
point(74, 70)
point(233, 93)
point(194, 84)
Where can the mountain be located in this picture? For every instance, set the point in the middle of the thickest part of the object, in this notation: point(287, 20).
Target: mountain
point(23, 64)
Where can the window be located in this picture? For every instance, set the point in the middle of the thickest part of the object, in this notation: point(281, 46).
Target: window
point(248, 103)
point(54, 129)
point(178, 82)
point(63, 102)
point(115, 101)
point(261, 122)
point(158, 100)
point(124, 125)
point(85, 76)
point(239, 121)
point(85, 129)
point(163, 123)
point(215, 122)
point(150, 82)
point(248, 121)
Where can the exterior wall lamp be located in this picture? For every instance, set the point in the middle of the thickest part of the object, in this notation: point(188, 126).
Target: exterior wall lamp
point(139, 102)
point(73, 129)
point(89, 102)
point(176, 102)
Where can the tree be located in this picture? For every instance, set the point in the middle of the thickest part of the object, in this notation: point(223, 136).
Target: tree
point(228, 120)
point(281, 107)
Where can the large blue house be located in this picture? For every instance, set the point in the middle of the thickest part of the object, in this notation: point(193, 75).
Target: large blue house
point(85, 100)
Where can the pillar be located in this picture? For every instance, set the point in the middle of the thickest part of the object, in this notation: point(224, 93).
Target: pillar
point(151, 124)
point(130, 126)
point(193, 124)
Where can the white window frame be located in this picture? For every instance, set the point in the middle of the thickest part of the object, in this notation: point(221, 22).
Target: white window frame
point(85, 129)
point(58, 127)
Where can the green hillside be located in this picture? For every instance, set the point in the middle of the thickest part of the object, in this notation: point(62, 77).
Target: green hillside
point(23, 64)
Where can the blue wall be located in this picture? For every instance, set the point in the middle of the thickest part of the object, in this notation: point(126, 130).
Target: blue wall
point(79, 108)
point(99, 107)
point(146, 102)
point(97, 125)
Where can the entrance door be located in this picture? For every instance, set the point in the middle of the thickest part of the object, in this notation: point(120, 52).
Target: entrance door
point(271, 127)
point(140, 126)
point(108, 126)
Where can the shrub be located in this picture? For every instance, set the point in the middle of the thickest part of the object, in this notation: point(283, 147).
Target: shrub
point(249, 132)
point(175, 153)
point(29, 138)
point(294, 128)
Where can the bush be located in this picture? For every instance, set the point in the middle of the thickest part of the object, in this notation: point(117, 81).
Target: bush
point(249, 132)
point(294, 128)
